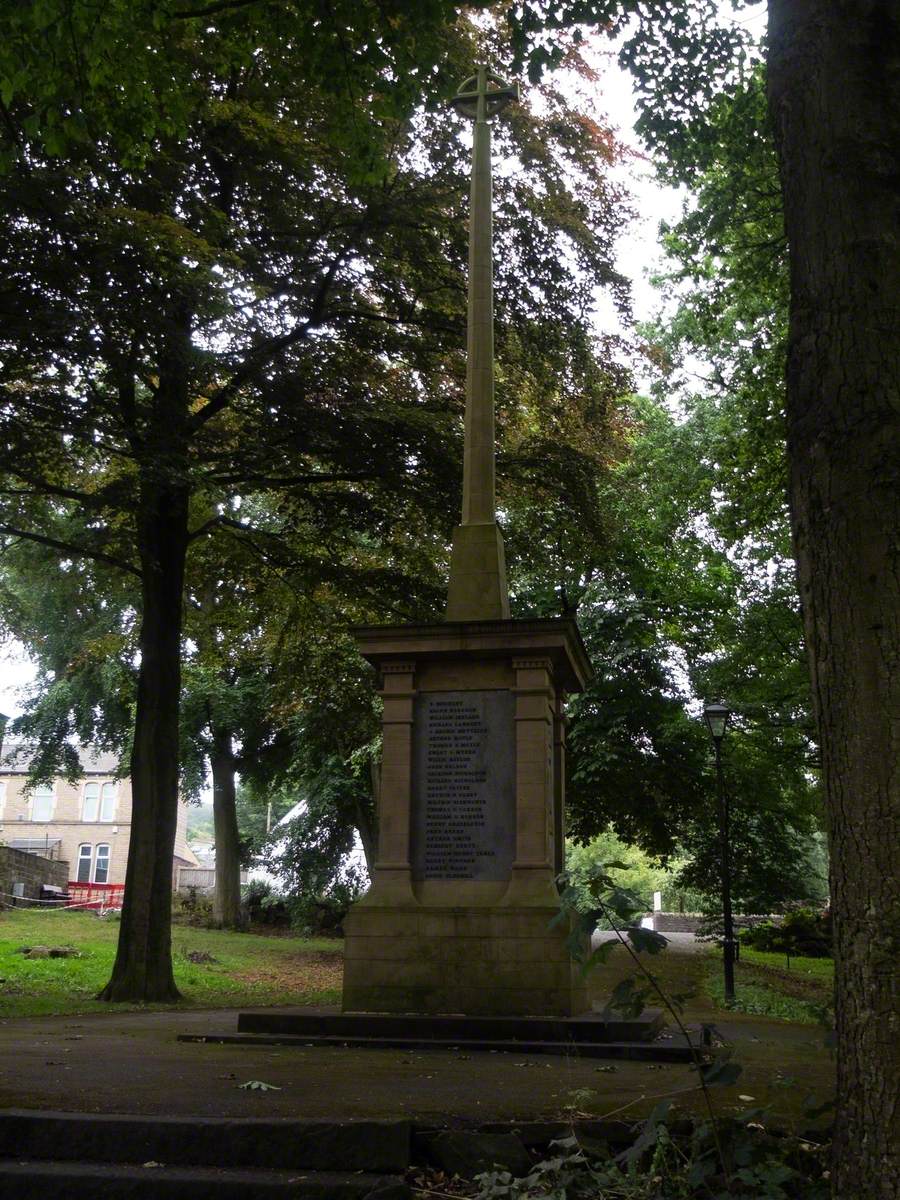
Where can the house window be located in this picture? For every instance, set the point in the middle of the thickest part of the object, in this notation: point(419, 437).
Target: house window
point(84, 864)
point(91, 807)
point(42, 803)
point(107, 801)
point(101, 865)
point(99, 802)
point(86, 855)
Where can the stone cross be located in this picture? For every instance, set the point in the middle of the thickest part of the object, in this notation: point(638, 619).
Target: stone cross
point(478, 571)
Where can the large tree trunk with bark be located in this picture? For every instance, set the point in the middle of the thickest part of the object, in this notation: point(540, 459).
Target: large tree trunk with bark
point(834, 91)
point(142, 971)
point(227, 899)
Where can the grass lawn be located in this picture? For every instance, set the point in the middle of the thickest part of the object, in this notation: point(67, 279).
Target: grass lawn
point(249, 970)
point(821, 969)
point(766, 986)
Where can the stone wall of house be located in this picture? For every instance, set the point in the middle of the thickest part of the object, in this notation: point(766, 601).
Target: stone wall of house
point(31, 870)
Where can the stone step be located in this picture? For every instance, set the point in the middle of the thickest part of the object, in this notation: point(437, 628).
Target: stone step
point(65, 1180)
point(589, 1027)
point(674, 1051)
point(258, 1142)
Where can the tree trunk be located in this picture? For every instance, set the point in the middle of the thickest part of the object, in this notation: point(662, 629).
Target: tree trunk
point(143, 968)
point(834, 93)
point(227, 898)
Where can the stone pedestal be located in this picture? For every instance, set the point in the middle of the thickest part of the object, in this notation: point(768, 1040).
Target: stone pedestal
point(458, 917)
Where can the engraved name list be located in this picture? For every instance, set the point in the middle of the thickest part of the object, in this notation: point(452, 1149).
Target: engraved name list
point(463, 786)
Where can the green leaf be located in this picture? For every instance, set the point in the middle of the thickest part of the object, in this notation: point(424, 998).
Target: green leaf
point(723, 1073)
point(646, 940)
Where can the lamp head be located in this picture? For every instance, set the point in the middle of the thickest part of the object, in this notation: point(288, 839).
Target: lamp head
point(716, 718)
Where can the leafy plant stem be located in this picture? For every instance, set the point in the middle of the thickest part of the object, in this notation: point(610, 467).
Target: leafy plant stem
point(670, 1008)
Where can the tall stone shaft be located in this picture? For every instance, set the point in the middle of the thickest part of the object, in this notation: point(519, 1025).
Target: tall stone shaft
point(478, 589)
point(479, 505)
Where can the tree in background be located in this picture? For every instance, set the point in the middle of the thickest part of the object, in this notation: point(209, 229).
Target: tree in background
point(254, 290)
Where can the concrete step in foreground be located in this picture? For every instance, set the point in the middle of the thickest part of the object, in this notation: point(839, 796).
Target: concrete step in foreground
point(252, 1142)
point(73, 1155)
point(62, 1180)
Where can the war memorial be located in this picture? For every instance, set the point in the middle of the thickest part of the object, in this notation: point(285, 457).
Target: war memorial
point(460, 939)
point(471, 821)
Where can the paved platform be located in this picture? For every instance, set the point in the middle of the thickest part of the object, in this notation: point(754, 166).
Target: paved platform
point(133, 1063)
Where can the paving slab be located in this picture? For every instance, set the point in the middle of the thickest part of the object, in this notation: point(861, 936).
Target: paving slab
point(133, 1063)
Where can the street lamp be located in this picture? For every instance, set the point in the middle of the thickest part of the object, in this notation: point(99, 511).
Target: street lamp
point(716, 718)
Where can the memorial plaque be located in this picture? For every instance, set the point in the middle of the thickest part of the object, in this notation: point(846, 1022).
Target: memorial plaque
point(463, 819)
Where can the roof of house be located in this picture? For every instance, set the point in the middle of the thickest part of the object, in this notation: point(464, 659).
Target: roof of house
point(17, 759)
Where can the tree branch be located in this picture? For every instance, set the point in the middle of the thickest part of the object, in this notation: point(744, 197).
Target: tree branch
point(258, 358)
point(42, 487)
point(291, 480)
point(70, 549)
point(187, 14)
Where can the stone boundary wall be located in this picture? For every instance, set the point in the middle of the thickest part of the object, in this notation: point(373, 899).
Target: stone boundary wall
point(30, 869)
point(664, 922)
point(203, 879)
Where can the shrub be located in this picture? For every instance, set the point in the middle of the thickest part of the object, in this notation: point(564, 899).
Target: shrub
point(803, 932)
point(266, 906)
point(192, 908)
point(323, 915)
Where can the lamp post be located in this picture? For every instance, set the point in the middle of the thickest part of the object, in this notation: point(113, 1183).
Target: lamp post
point(716, 718)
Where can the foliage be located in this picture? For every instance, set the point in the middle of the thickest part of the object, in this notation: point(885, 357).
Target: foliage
point(616, 907)
point(232, 344)
point(70, 76)
point(637, 874)
point(311, 856)
point(192, 907)
point(803, 932)
point(636, 758)
point(718, 476)
point(766, 999)
point(253, 814)
point(680, 609)
point(265, 905)
point(321, 913)
point(674, 1159)
point(200, 823)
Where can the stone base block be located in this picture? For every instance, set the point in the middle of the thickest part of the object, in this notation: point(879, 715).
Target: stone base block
point(478, 590)
point(481, 962)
